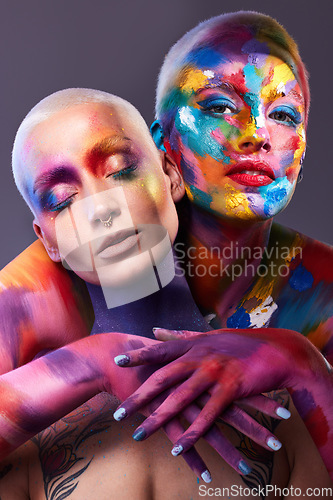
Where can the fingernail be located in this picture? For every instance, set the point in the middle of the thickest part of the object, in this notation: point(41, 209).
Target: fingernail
point(176, 450)
point(139, 434)
point(274, 443)
point(283, 413)
point(119, 414)
point(206, 476)
point(122, 360)
point(244, 468)
point(157, 328)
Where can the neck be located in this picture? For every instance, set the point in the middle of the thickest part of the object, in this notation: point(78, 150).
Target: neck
point(171, 307)
point(222, 256)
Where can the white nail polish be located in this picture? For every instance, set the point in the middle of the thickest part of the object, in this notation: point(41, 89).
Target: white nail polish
point(119, 414)
point(283, 413)
point(273, 443)
point(121, 360)
point(176, 450)
point(206, 476)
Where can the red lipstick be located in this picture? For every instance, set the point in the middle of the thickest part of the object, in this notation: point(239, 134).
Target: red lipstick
point(251, 173)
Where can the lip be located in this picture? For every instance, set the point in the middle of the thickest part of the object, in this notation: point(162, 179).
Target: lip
point(118, 243)
point(265, 176)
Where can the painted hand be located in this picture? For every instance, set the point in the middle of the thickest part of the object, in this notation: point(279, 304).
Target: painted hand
point(229, 365)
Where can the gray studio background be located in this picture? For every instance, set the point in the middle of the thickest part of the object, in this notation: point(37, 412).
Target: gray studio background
point(118, 46)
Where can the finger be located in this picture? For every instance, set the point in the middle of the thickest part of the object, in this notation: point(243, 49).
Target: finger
point(158, 353)
point(181, 397)
point(208, 415)
point(164, 334)
point(219, 442)
point(240, 420)
point(174, 430)
point(265, 405)
point(158, 382)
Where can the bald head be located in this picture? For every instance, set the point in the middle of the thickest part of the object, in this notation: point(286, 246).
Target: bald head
point(61, 101)
point(202, 47)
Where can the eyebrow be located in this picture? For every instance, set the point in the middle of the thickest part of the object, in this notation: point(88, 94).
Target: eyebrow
point(99, 152)
point(108, 146)
point(60, 174)
point(230, 87)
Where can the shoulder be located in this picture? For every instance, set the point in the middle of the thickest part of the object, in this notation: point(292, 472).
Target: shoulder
point(34, 289)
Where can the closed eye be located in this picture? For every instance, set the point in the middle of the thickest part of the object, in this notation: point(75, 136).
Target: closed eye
point(124, 173)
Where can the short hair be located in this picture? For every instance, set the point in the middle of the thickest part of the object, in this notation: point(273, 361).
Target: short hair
point(58, 101)
point(216, 30)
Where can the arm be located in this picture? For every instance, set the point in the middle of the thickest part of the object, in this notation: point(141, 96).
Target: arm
point(33, 290)
point(234, 364)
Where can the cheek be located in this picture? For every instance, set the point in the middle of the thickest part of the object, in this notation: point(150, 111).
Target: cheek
point(203, 134)
point(147, 199)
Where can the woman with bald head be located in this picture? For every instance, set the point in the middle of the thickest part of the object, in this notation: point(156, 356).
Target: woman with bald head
point(232, 109)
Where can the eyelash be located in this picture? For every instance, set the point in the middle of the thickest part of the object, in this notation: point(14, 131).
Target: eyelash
point(293, 117)
point(123, 173)
point(63, 204)
point(212, 105)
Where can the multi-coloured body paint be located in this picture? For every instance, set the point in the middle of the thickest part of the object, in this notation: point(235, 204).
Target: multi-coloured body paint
point(57, 157)
point(240, 365)
point(33, 290)
point(267, 203)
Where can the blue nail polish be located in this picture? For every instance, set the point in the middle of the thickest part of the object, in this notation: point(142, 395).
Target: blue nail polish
point(139, 434)
point(244, 468)
point(119, 414)
point(122, 360)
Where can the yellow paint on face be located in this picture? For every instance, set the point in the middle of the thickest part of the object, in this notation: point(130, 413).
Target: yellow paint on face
point(192, 80)
point(237, 203)
point(281, 75)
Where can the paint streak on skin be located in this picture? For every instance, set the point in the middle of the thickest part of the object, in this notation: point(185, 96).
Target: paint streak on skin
point(237, 203)
point(301, 279)
point(214, 135)
point(261, 315)
point(196, 80)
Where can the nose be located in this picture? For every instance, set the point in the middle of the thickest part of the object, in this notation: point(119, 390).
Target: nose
point(103, 212)
point(254, 141)
point(103, 206)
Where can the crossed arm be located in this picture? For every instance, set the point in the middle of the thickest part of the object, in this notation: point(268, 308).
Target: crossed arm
point(220, 368)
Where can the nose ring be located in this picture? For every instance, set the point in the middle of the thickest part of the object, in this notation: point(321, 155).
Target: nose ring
point(108, 222)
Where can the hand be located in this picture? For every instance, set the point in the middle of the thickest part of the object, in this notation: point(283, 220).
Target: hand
point(230, 364)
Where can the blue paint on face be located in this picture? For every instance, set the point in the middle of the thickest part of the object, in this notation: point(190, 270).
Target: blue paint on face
point(196, 129)
point(205, 57)
point(240, 319)
point(301, 279)
point(253, 80)
point(200, 197)
point(276, 195)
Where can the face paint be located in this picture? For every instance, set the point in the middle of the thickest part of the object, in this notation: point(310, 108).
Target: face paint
point(237, 127)
point(101, 197)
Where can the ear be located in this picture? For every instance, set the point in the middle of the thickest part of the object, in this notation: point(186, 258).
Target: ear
point(172, 171)
point(53, 252)
point(157, 133)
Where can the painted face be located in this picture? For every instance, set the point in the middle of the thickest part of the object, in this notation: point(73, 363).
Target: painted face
point(102, 200)
point(238, 131)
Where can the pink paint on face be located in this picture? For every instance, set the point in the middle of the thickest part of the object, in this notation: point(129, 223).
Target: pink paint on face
point(87, 164)
point(248, 115)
